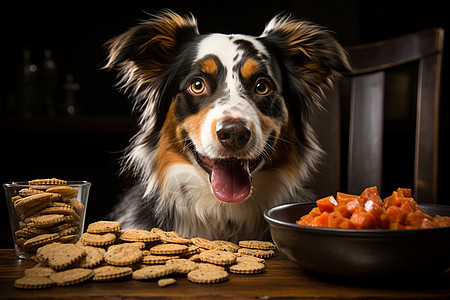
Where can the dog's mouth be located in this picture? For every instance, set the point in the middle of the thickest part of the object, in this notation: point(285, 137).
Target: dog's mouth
point(231, 179)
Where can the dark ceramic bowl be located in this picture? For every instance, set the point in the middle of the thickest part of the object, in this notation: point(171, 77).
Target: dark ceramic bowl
point(357, 252)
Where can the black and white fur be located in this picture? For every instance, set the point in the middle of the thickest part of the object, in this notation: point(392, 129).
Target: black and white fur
point(187, 87)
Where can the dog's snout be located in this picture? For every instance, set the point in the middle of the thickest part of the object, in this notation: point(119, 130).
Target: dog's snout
point(233, 134)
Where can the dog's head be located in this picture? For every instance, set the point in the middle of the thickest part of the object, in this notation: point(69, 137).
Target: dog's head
point(229, 104)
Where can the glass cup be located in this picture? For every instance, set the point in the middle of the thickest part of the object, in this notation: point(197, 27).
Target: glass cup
point(68, 224)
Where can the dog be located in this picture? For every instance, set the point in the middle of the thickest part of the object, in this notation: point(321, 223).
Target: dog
point(224, 122)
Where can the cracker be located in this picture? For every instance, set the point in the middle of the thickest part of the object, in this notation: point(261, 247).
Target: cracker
point(93, 257)
point(157, 259)
point(168, 249)
point(47, 220)
point(72, 276)
point(33, 282)
point(182, 265)
point(37, 271)
point(75, 204)
point(40, 240)
point(204, 243)
point(245, 257)
point(23, 204)
point(150, 272)
point(122, 255)
point(29, 192)
point(227, 246)
point(64, 210)
point(207, 276)
point(257, 252)
point(60, 256)
point(29, 232)
point(204, 265)
point(47, 181)
point(104, 227)
point(138, 235)
point(171, 237)
point(218, 257)
point(107, 273)
point(92, 239)
point(166, 282)
point(64, 191)
point(253, 244)
point(247, 267)
point(192, 249)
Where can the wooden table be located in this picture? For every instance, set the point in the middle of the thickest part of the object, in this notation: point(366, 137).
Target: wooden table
point(281, 279)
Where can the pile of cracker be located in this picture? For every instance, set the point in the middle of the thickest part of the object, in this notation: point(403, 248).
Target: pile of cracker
point(48, 212)
point(105, 253)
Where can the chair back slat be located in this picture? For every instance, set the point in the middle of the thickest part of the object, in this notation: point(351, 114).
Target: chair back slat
point(366, 132)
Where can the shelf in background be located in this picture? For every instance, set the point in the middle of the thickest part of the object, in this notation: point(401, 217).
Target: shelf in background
point(69, 124)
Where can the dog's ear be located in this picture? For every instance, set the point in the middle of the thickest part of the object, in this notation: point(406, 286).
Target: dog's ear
point(143, 52)
point(310, 54)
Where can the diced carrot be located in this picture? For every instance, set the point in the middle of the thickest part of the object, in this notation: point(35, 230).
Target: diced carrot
point(342, 210)
point(344, 198)
point(305, 220)
point(396, 226)
point(384, 221)
point(370, 191)
point(363, 220)
point(397, 215)
point(326, 204)
point(387, 202)
point(315, 212)
point(368, 211)
point(320, 221)
point(353, 205)
point(335, 219)
point(397, 199)
point(404, 192)
point(415, 219)
point(409, 206)
point(426, 224)
point(346, 224)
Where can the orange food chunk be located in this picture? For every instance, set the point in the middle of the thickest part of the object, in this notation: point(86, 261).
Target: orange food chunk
point(320, 221)
point(363, 220)
point(326, 204)
point(369, 211)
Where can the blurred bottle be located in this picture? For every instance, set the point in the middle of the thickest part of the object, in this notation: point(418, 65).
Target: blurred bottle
point(50, 84)
point(28, 86)
point(70, 87)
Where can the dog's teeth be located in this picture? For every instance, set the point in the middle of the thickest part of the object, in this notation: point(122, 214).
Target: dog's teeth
point(247, 166)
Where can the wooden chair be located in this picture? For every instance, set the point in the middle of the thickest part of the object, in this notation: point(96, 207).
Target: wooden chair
point(367, 93)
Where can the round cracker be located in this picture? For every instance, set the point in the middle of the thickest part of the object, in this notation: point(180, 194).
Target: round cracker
point(247, 267)
point(253, 244)
point(104, 227)
point(93, 239)
point(33, 282)
point(218, 257)
point(168, 249)
point(106, 273)
point(122, 255)
point(207, 276)
point(151, 272)
point(138, 235)
point(71, 276)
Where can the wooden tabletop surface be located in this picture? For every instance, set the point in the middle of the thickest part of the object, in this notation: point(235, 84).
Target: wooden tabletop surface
point(281, 279)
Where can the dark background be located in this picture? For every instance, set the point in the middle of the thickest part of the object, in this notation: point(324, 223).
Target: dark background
point(87, 146)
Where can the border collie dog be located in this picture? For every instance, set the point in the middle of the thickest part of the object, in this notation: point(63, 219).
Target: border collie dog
point(224, 130)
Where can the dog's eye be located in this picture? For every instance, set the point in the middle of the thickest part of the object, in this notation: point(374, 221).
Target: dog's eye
point(262, 87)
point(197, 86)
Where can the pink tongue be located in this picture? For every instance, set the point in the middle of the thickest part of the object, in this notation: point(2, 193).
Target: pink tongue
point(230, 181)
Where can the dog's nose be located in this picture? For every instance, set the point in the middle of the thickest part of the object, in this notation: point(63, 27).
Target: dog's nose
point(233, 133)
